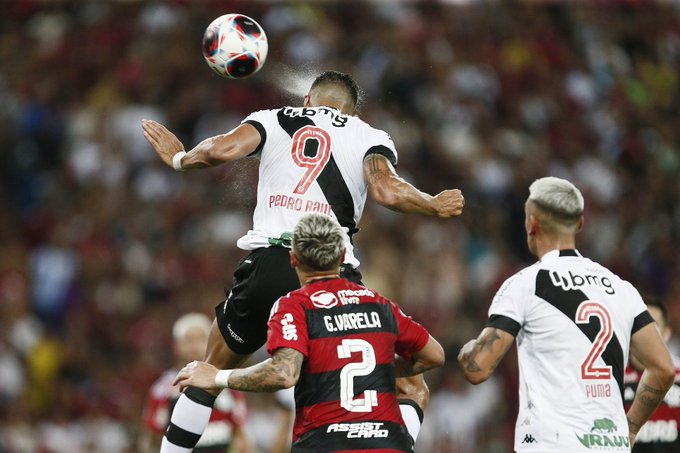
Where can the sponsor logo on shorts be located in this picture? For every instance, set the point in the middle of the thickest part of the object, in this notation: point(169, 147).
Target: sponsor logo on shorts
point(233, 334)
point(364, 430)
point(324, 299)
point(602, 436)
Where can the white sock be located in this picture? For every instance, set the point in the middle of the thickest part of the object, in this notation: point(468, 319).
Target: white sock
point(188, 421)
point(412, 418)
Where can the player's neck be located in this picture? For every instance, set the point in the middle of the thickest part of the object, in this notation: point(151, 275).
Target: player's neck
point(310, 277)
point(548, 244)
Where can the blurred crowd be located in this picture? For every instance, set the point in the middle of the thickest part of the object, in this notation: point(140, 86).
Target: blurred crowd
point(102, 246)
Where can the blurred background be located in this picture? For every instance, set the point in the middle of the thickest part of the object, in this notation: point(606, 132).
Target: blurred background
point(102, 246)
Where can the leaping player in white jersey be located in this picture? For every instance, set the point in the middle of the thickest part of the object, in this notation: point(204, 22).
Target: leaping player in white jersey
point(315, 158)
point(575, 323)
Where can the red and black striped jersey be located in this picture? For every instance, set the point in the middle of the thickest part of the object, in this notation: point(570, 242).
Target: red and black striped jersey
point(349, 335)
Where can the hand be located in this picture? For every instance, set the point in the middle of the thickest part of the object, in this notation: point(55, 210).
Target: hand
point(197, 374)
point(449, 203)
point(165, 143)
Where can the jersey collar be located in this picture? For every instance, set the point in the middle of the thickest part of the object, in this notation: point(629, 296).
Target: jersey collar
point(560, 253)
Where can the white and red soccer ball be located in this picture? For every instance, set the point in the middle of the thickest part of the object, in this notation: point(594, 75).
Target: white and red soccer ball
point(235, 46)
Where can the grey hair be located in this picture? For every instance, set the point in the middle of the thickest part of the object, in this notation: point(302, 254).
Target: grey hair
point(557, 196)
point(318, 242)
point(190, 321)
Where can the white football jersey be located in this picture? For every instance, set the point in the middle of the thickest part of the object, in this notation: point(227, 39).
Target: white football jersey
point(311, 160)
point(573, 320)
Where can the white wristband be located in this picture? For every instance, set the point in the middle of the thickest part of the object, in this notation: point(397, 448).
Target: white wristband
point(177, 160)
point(222, 378)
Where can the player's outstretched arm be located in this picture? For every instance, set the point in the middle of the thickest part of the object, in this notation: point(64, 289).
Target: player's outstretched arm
point(211, 152)
point(390, 190)
point(282, 371)
point(479, 358)
point(649, 349)
point(431, 356)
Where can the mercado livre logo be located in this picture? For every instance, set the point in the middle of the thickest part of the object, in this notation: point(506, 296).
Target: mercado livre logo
point(602, 436)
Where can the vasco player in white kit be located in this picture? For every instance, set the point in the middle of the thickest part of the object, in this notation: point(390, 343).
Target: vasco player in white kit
point(316, 158)
point(575, 323)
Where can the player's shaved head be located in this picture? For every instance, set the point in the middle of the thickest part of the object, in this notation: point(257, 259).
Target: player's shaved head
point(335, 89)
point(558, 203)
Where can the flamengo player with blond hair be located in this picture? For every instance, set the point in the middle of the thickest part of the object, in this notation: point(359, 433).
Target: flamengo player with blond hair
point(335, 341)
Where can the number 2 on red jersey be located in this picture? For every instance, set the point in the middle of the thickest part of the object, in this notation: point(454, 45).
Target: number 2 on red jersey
point(312, 164)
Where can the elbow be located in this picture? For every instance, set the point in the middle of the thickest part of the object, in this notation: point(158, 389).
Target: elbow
point(438, 357)
point(476, 378)
point(667, 374)
point(288, 382)
point(384, 197)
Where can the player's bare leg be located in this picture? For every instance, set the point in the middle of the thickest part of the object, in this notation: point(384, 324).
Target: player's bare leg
point(192, 411)
point(413, 396)
point(218, 354)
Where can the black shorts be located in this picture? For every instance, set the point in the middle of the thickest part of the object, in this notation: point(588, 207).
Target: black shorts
point(259, 280)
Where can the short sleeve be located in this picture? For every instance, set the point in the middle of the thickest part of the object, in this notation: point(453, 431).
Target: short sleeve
point(260, 120)
point(412, 337)
point(639, 314)
point(287, 327)
point(508, 308)
point(379, 142)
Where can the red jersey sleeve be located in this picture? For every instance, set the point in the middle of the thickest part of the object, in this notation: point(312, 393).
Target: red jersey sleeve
point(287, 327)
point(412, 336)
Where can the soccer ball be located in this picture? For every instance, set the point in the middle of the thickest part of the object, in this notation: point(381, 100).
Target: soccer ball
point(235, 46)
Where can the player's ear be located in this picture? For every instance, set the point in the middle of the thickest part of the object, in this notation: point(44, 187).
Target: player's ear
point(307, 101)
point(533, 225)
point(581, 222)
point(294, 262)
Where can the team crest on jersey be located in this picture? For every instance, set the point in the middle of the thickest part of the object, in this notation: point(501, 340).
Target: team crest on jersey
point(324, 299)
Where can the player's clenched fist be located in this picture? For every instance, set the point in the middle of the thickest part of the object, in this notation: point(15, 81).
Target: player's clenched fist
point(449, 203)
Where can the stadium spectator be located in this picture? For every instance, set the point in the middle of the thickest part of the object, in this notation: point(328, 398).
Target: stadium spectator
point(225, 428)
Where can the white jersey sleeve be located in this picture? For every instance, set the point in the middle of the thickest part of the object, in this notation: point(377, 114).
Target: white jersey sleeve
point(508, 308)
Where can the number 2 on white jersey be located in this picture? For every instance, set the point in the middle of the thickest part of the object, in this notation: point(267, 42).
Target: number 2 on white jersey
point(354, 369)
point(313, 164)
point(584, 312)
